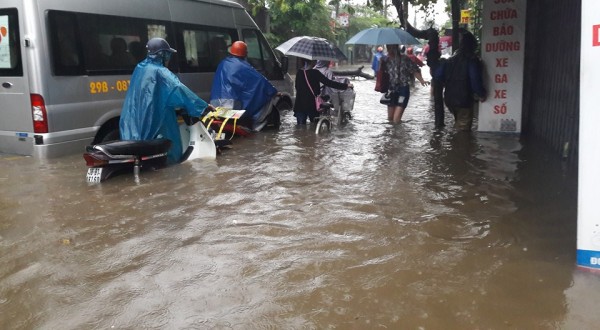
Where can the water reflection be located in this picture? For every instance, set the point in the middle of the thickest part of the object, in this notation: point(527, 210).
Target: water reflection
point(371, 226)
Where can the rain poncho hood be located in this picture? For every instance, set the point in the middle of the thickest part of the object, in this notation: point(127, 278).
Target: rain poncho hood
point(149, 108)
point(239, 86)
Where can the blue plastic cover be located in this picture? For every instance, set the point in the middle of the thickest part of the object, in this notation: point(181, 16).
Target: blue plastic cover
point(149, 108)
point(239, 86)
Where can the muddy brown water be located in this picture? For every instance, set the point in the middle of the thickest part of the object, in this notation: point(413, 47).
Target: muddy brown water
point(372, 226)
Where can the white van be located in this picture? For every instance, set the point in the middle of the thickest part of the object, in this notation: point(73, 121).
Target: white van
point(65, 65)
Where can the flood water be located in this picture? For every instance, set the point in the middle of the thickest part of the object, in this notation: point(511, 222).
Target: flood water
point(372, 226)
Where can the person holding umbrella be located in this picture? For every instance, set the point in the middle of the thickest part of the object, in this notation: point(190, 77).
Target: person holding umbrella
point(308, 86)
point(308, 78)
point(400, 69)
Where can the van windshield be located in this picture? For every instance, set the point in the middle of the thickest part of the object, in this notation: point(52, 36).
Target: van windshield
point(10, 50)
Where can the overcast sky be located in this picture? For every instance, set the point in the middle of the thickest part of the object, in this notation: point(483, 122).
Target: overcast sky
point(440, 15)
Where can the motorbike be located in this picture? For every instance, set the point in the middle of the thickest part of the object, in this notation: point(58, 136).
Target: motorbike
point(337, 108)
point(109, 159)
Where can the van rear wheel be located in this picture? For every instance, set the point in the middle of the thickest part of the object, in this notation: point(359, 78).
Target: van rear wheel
point(111, 136)
point(108, 132)
point(284, 105)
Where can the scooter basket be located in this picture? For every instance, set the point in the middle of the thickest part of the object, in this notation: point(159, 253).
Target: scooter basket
point(343, 101)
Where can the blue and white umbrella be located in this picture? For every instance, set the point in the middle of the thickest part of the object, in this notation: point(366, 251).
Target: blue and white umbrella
point(311, 48)
point(383, 36)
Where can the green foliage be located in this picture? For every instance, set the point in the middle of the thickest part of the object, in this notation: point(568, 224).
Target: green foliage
point(291, 18)
point(365, 18)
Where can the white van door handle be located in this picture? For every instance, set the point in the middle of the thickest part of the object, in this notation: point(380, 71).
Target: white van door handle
point(7, 84)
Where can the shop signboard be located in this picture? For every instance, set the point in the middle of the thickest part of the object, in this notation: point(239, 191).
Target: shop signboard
point(503, 54)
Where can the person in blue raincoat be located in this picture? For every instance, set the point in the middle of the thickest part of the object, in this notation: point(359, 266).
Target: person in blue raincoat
point(376, 59)
point(237, 85)
point(153, 95)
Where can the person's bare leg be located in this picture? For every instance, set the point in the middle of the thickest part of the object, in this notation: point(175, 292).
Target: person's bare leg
point(398, 114)
point(391, 111)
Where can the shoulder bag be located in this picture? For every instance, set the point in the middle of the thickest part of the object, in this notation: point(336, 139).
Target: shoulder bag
point(382, 81)
point(386, 98)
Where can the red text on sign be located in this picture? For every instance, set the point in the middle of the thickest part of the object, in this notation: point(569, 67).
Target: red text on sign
point(503, 30)
point(501, 78)
point(500, 94)
point(500, 109)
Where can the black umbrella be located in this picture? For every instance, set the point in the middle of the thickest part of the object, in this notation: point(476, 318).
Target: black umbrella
point(312, 48)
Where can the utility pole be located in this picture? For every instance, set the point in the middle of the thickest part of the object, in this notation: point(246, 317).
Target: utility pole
point(455, 8)
point(385, 7)
point(415, 17)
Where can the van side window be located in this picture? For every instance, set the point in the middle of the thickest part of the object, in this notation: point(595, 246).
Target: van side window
point(10, 47)
point(203, 47)
point(260, 55)
point(65, 55)
point(100, 44)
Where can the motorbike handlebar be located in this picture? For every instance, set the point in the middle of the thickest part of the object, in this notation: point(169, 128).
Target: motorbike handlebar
point(189, 120)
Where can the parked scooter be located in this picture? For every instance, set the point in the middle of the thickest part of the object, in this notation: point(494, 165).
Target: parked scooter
point(109, 159)
point(337, 108)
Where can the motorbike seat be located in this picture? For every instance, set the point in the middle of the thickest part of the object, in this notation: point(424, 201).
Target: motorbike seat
point(134, 147)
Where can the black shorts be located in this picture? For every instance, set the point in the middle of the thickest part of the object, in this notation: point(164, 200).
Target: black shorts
point(399, 96)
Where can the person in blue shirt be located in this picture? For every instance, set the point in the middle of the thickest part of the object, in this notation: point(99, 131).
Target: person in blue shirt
point(237, 85)
point(461, 76)
point(376, 59)
point(154, 93)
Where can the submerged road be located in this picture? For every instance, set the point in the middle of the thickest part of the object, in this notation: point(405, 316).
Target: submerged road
point(372, 226)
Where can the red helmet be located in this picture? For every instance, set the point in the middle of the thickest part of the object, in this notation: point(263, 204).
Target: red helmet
point(239, 49)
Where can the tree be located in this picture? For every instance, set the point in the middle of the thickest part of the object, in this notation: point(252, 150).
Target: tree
point(290, 18)
point(363, 17)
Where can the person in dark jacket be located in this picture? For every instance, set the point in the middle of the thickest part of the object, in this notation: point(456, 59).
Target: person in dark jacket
point(308, 80)
point(462, 78)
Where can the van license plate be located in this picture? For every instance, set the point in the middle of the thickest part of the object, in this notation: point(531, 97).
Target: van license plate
point(94, 174)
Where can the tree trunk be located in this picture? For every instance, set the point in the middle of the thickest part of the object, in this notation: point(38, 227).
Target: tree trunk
point(455, 8)
point(353, 73)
